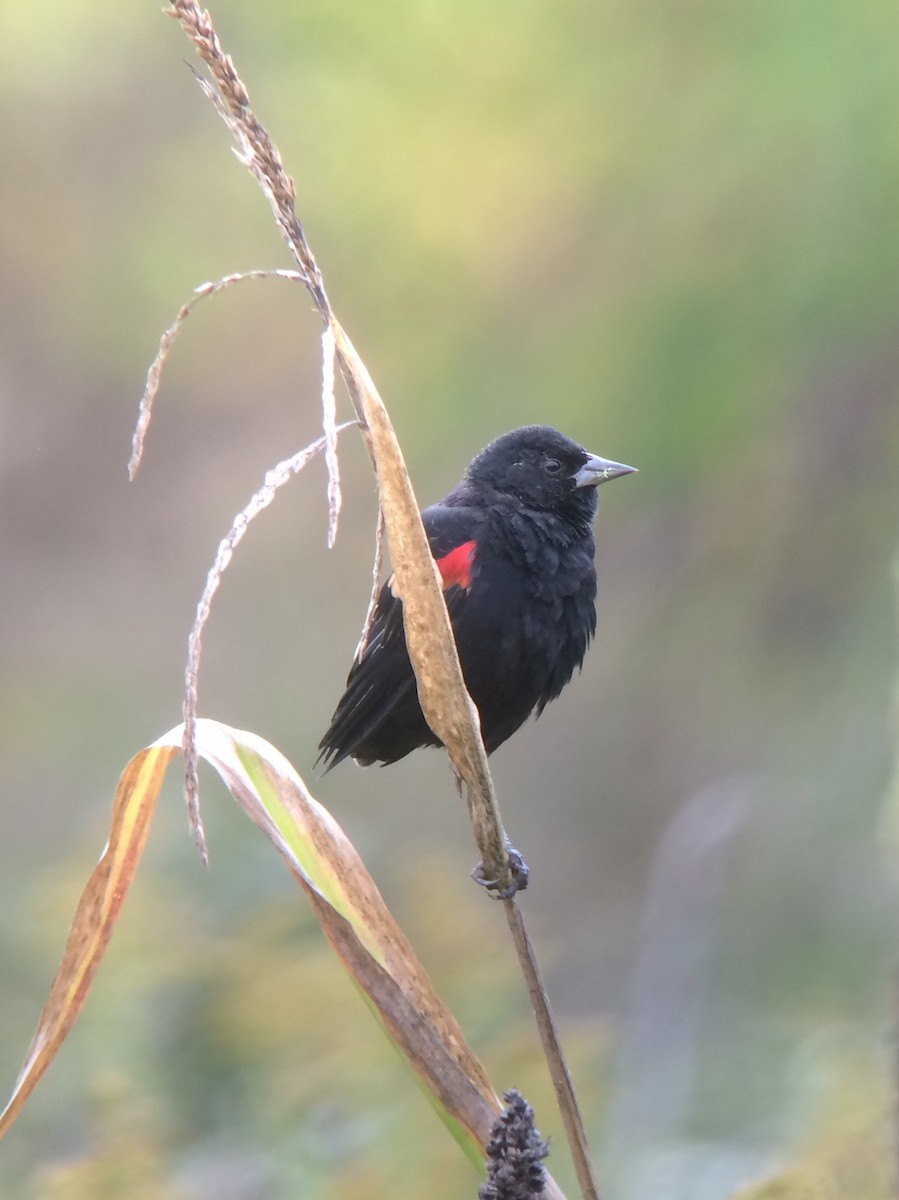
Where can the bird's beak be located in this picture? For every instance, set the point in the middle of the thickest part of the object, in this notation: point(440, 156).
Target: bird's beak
point(598, 470)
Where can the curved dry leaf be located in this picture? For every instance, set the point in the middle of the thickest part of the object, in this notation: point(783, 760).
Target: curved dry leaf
point(154, 371)
point(96, 915)
point(346, 901)
point(358, 924)
point(444, 698)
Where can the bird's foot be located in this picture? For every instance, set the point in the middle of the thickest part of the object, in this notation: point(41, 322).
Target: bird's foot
point(519, 881)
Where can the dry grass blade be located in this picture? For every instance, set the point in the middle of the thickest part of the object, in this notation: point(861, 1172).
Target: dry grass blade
point(261, 499)
point(329, 425)
point(94, 920)
point(154, 373)
point(356, 921)
point(361, 929)
point(432, 648)
point(254, 146)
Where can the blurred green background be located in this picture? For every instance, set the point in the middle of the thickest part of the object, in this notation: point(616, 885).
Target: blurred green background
point(673, 232)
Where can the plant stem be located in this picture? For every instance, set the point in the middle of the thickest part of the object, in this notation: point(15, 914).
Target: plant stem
point(552, 1049)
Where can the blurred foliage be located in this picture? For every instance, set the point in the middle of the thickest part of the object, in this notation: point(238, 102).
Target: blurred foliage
point(850, 1156)
point(670, 231)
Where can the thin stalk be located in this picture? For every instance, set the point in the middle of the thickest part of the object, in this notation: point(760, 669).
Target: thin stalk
point(552, 1051)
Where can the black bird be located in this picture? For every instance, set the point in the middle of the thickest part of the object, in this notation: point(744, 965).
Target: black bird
point(514, 545)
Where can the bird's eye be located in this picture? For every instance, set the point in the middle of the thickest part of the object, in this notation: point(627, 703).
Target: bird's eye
point(552, 466)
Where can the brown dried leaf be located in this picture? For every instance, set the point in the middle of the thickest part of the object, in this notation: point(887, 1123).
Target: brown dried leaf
point(96, 915)
point(441, 688)
point(358, 924)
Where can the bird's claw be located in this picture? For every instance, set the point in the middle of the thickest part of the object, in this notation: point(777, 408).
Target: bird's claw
point(519, 870)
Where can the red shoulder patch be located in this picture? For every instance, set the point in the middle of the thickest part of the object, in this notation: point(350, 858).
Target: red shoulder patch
point(455, 567)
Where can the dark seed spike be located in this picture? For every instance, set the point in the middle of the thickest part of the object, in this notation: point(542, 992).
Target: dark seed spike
point(515, 1154)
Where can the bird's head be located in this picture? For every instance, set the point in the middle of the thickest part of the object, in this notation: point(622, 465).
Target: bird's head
point(544, 470)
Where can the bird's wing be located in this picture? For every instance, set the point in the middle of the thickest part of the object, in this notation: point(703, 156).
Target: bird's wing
point(381, 677)
point(452, 537)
